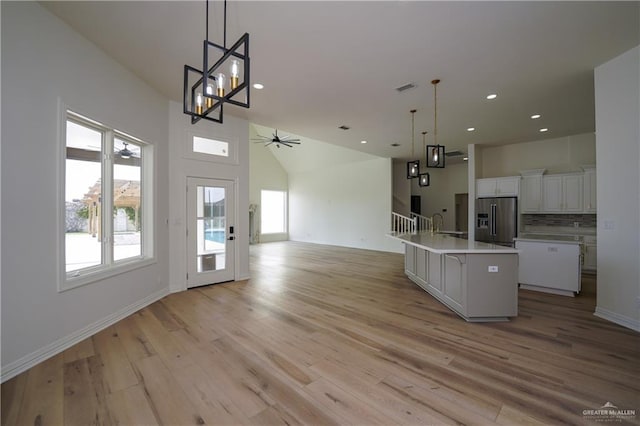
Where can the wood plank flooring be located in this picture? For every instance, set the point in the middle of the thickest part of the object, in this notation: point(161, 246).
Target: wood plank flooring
point(327, 335)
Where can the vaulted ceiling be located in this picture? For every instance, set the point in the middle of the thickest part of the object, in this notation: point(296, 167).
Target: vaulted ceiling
point(331, 63)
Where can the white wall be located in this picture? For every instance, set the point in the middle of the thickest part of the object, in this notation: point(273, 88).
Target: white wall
point(617, 93)
point(181, 166)
point(347, 204)
point(44, 61)
point(266, 172)
point(440, 194)
point(557, 155)
point(401, 188)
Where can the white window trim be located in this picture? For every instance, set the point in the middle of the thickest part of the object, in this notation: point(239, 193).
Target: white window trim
point(86, 276)
point(232, 158)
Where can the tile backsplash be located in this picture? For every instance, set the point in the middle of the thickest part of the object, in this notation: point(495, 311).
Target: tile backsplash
point(567, 220)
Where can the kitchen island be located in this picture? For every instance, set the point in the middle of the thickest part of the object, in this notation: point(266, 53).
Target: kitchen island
point(478, 281)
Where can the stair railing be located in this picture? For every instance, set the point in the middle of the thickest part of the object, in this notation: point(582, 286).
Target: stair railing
point(423, 223)
point(402, 224)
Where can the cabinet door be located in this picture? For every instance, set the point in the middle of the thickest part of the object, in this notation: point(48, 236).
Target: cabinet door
point(572, 193)
point(531, 194)
point(552, 193)
point(590, 257)
point(410, 259)
point(434, 271)
point(589, 191)
point(421, 264)
point(454, 279)
point(485, 187)
point(508, 186)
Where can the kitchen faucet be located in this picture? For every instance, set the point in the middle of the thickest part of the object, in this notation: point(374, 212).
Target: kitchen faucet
point(435, 225)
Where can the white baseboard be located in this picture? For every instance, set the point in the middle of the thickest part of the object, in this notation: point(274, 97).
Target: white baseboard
point(622, 320)
point(26, 362)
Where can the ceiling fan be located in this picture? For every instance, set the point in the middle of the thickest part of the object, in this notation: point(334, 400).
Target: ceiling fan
point(284, 140)
point(125, 153)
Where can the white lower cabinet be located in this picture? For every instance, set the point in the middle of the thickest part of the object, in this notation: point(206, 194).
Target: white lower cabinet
point(455, 278)
point(492, 294)
point(410, 259)
point(435, 273)
point(590, 262)
point(421, 264)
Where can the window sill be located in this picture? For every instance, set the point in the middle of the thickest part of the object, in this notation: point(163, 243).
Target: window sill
point(67, 283)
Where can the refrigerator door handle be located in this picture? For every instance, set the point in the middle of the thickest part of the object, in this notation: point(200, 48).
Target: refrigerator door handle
point(494, 232)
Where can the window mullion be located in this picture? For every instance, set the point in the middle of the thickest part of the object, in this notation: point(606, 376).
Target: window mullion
point(107, 197)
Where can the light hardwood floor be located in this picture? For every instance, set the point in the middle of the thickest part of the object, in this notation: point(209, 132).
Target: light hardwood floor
point(326, 335)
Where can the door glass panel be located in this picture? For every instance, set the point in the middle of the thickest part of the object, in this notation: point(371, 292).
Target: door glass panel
point(211, 228)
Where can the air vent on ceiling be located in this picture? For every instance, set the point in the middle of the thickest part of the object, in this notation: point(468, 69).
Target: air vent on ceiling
point(406, 87)
point(454, 153)
point(395, 144)
point(343, 127)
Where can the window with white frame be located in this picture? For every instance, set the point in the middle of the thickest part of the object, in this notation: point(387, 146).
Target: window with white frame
point(273, 215)
point(107, 201)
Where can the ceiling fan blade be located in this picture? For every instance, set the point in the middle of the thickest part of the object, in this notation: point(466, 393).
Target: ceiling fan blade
point(289, 140)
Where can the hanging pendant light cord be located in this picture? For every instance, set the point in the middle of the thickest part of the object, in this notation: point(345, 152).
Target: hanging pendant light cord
point(413, 150)
point(435, 110)
point(224, 44)
point(224, 40)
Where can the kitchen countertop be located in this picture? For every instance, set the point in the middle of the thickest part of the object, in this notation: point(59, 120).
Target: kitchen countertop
point(443, 244)
point(551, 238)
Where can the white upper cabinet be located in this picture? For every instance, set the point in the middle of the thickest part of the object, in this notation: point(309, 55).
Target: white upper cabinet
point(498, 187)
point(572, 193)
point(531, 191)
point(552, 194)
point(562, 193)
point(589, 190)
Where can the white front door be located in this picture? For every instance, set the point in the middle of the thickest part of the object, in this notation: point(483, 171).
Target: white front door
point(210, 231)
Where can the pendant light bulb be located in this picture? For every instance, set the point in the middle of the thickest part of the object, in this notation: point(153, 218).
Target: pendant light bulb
point(220, 81)
point(234, 74)
point(209, 92)
point(199, 103)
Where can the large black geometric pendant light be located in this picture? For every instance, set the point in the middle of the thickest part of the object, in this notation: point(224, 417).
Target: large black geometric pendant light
point(435, 153)
point(206, 90)
point(413, 167)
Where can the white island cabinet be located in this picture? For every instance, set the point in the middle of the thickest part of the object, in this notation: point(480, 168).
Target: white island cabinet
point(478, 281)
point(550, 263)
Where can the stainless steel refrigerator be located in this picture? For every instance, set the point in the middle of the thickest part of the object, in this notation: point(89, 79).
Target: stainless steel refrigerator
point(497, 220)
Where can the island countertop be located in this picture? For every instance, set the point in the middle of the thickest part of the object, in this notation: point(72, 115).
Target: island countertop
point(446, 244)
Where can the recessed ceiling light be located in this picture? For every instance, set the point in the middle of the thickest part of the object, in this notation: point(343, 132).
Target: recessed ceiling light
point(470, 129)
point(492, 96)
point(544, 129)
point(258, 86)
point(363, 141)
point(535, 116)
